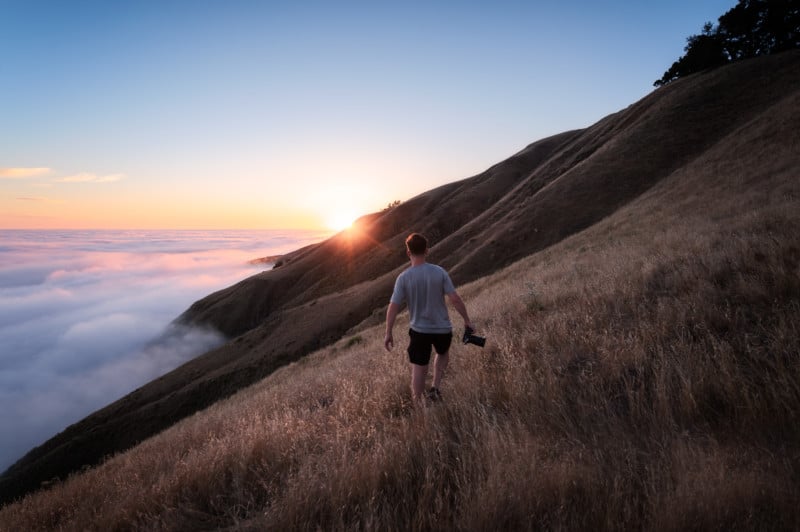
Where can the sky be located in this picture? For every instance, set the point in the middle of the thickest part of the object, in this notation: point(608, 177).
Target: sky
point(204, 114)
point(86, 316)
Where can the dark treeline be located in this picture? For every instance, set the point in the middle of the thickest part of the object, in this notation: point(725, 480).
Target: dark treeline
point(751, 28)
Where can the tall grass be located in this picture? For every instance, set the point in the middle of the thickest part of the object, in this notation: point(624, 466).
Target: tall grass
point(641, 375)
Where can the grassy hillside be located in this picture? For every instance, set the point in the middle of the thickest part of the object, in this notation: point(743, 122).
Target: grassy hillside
point(642, 372)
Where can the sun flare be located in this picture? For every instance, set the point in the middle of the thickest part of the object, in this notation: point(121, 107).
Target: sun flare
point(340, 221)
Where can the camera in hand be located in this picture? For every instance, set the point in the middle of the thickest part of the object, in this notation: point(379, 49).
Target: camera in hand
point(471, 338)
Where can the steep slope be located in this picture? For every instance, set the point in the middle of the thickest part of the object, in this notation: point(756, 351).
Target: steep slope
point(543, 194)
point(640, 374)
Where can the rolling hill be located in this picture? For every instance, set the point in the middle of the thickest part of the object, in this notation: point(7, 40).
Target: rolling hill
point(708, 148)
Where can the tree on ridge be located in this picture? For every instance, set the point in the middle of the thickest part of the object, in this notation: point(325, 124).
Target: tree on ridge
point(749, 29)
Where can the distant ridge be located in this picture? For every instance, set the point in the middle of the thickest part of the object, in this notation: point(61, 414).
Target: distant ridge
point(546, 192)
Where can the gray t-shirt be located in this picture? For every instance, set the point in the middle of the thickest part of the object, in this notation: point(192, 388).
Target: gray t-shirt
point(423, 287)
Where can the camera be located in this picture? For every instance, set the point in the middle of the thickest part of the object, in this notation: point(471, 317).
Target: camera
point(470, 338)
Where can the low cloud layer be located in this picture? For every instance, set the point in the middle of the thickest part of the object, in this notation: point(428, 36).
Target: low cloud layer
point(22, 173)
point(85, 316)
point(90, 178)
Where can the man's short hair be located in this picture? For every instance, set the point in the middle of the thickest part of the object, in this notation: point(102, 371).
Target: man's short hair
point(416, 244)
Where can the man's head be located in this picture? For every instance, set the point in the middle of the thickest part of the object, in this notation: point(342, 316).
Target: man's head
point(417, 245)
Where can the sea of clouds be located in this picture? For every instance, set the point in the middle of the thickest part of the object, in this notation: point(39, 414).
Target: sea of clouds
point(86, 316)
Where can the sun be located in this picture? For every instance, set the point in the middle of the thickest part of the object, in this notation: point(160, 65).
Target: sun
point(339, 221)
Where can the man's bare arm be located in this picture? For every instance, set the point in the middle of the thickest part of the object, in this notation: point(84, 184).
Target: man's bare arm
point(391, 315)
point(460, 307)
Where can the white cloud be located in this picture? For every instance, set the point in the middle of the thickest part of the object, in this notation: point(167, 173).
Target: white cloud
point(86, 177)
point(22, 173)
point(82, 177)
point(85, 316)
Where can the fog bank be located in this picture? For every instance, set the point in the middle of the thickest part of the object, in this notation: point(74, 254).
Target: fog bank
point(85, 316)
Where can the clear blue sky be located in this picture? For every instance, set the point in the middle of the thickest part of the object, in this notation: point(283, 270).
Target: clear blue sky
point(217, 114)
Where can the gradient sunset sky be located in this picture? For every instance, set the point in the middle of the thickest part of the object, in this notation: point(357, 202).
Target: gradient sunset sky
point(245, 114)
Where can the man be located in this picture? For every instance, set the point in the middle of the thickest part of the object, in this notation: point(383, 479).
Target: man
point(424, 286)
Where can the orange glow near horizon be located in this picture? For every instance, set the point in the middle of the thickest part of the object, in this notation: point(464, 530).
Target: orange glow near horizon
point(135, 211)
point(134, 203)
point(130, 213)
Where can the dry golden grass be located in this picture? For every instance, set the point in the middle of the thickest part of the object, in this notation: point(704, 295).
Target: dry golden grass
point(642, 374)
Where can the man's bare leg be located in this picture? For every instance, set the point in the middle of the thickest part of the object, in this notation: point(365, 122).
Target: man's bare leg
point(418, 376)
point(439, 365)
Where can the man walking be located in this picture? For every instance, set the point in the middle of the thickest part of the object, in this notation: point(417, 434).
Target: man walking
point(424, 286)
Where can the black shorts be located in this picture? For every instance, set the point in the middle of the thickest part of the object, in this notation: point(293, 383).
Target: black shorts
point(419, 348)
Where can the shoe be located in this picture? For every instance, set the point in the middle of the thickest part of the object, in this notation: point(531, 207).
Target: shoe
point(434, 395)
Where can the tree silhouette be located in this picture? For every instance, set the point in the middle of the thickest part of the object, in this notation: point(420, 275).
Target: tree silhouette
point(749, 29)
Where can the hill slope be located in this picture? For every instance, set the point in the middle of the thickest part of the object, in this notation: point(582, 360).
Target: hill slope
point(653, 153)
